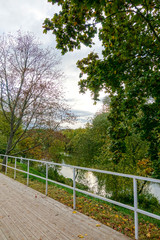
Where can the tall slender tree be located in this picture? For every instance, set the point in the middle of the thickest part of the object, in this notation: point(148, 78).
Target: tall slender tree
point(30, 91)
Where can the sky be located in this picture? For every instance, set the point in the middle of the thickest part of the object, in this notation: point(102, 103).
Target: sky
point(28, 15)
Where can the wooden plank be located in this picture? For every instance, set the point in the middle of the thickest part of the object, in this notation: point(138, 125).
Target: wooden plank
point(2, 236)
point(20, 224)
point(9, 229)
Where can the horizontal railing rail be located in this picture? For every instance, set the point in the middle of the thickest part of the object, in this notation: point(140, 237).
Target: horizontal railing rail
point(135, 208)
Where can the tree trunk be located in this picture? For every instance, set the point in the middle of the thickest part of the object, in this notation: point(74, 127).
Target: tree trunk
point(4, 162)
point(142, 187)
point(6, 153)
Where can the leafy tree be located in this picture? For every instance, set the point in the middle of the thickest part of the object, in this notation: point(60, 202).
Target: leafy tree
point(45, 144)
point(56, 149)
point(30, 93)
point(73, 136)
point(128, 68)
point(32, 145)
point(54, 145)
point(86, 143)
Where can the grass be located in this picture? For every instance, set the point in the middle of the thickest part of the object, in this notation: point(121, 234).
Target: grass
point(113, 216)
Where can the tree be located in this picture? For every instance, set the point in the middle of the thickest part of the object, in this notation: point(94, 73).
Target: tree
point(86, 143)
point(30, 95)
point(128, 68)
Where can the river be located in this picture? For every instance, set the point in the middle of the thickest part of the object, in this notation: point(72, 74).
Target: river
point(90, 180)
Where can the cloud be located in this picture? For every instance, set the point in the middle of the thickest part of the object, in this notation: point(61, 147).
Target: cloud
point(80, 113)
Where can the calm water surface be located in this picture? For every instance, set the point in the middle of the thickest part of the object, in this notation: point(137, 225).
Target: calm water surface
point(90, 180)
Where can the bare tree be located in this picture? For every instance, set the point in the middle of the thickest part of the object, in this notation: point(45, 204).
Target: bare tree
point(30, 93)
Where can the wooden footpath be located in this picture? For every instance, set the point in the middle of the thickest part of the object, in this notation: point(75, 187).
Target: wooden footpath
point(26, 214)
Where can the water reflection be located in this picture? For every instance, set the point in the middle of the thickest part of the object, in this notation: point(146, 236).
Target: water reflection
point(89, 179)
point(154, 188)
point(86, 178)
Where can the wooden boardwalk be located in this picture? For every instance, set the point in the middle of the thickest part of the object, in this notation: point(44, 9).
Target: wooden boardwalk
point(26, 214)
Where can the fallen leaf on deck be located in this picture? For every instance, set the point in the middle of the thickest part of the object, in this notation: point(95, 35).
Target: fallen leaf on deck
point(98, 225)
point(80, 236)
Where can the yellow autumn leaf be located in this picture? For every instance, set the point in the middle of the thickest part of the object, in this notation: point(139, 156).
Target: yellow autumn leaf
point(74, 212)
point(148, 235)
point(114, 72)
point(80, 236)
point(98, 225)
point(116, 216)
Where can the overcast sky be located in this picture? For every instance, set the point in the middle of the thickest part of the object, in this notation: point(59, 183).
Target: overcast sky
point(28, 15)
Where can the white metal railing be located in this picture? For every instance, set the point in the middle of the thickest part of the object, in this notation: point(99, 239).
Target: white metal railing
point(135, 178)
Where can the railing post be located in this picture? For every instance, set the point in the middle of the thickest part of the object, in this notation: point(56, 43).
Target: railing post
point(74, 191)
point(15, 166)
point(28, 174)
point(46, 179)
point(6, 164)
point(135, 208)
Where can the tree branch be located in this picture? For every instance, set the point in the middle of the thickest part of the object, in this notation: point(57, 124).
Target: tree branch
point(149, 23)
